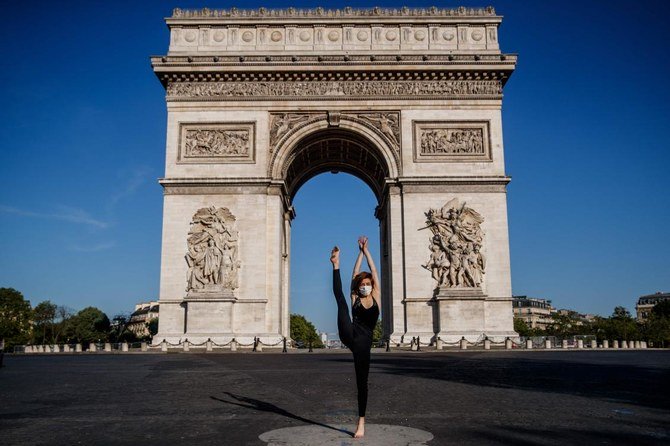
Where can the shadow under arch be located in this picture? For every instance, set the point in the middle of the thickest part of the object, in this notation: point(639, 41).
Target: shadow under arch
point(349, 147)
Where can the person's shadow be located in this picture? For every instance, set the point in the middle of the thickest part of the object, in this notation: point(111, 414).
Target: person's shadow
point(251, 403)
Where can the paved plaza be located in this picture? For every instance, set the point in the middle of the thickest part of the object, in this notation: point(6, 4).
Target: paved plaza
point(459, 398)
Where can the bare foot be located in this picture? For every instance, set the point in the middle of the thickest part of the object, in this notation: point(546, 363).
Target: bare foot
point(360, 431)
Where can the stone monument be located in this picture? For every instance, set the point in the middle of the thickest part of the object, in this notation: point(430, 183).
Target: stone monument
point(260, 101)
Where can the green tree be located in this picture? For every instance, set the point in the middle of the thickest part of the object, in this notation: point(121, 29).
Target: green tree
point(15, 318)
point(152, 326)
point(303, 332)
point(89, 325)
point(44, 315)
point(662, 309)
point(622, 325)
point(657, 328)
point(377, 332)
point(521, 327)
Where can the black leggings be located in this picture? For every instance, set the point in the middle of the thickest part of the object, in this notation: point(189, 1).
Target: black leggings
point(357, 338)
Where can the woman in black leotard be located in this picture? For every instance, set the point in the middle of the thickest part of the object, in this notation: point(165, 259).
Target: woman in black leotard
point(357, 335)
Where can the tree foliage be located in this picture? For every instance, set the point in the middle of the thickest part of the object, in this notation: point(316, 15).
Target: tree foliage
point(15, 318)
point(303, 332)
point(377, 332)
point(89, 325)
point(44, 316)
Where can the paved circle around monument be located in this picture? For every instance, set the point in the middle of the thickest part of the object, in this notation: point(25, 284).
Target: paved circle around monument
point(375, 434)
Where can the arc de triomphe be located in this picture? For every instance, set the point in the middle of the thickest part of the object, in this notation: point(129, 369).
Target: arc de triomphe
point(260, 101)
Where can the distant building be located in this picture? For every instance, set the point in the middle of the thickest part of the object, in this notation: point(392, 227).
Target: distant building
point(143, 313)
point(330, 340)
point(535, 312)
point(581, 317)
point(646, 303)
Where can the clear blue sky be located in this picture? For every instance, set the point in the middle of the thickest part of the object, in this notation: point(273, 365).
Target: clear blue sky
point(585, 121)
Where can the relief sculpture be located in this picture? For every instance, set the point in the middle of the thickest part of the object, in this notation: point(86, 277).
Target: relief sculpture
point(212, 252)
point(216, 142)
point(451, 141)
point(456, 260)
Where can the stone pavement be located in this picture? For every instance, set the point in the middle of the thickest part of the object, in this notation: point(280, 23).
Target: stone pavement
point(431, 398)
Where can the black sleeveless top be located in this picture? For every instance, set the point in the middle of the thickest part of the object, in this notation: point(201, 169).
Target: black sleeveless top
point(366, 317)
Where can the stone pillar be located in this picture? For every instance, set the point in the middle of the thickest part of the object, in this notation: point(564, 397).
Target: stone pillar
point(464, 344)
point(28, 349)
point(643, 344)
point(78, 348)
point(508, 344)
point(414, 345)
point(66, 348)
point(208, 345)
point(637, 344)
point(547, 343)
point(594, 343)
point(108, 347)
point(92, 347)
point(529, 344)
point(124, 347)
point(233, 345)
point(487, 344)
point(56, 348)
point(564, 343)
point(580, 343)
point(615, 344)
point(186, 345)
point(624, 344)
point(606, 343)
point(164, 346)
point(439, 344)
point(259, 345)
point(144, 347)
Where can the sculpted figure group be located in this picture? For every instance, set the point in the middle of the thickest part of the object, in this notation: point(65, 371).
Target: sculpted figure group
point(456, 260)
point(212, 251)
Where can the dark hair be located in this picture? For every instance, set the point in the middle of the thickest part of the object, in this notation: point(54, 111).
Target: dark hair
point(358, 278)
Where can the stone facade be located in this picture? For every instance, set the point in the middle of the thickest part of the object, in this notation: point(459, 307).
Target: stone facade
point(260, 101)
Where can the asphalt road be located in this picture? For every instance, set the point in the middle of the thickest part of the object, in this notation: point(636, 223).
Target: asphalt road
point(461, 398)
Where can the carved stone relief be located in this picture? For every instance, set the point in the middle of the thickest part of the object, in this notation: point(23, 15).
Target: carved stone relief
point(451, 141)
point(217, 143)
point(456, 260)
point(212, 253)
point(351, 89)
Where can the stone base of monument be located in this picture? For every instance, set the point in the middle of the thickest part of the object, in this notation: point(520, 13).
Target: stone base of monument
point(469, 313)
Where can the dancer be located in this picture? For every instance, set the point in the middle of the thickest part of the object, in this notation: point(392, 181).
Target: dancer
point(357, 335)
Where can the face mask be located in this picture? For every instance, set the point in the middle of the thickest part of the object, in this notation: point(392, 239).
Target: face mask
point(365, 290)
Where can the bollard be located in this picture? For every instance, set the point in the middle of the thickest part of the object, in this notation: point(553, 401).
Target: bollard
point(438, 345)
point(259, 345)
point(164, 346)
point(92, 347)
point(529, 344)
point(186, 345)
point(547, 343)
point(418, 343)
point(108, 347)
point(624, 344)
point(643, 344)
point(508, 344)
point(284, 350)
point(124, 346)
point(233, 345)
point(594, 344)
point(606, 343)
point(66, 348)
point(487, 344)
point(637, 344)
point(144, 347)
point(28, 349)
point(208, 345)
point(564, 343)
point(310, 347)
point(56, 348)
point(615, 344)
point(412, 345)
point(78, 348)
point(580, 343)
point(464, 343)
point(388, 345)
point(255, 343)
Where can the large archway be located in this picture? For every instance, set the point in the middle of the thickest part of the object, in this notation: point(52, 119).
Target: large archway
point(407, 100)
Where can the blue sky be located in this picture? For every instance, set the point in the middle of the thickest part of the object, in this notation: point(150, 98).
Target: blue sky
point(585, 120)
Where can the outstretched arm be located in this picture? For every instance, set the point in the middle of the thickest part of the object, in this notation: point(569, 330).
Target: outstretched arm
point(376, 286)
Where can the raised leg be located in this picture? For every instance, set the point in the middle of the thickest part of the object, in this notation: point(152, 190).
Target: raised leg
point(345, 328)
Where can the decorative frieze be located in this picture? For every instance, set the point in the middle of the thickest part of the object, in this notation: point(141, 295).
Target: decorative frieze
point(456, 260)
point(425, 89)
point(436, 141)
point(231, 142)
point(212, 255)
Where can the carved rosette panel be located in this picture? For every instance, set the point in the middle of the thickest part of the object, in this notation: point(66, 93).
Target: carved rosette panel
point(437, 89)
point(456, 259)
point(217, 143)
point(212, 255)
point(450, 141)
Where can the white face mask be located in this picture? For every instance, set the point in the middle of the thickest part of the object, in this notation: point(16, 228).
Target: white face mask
point(365, 290)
